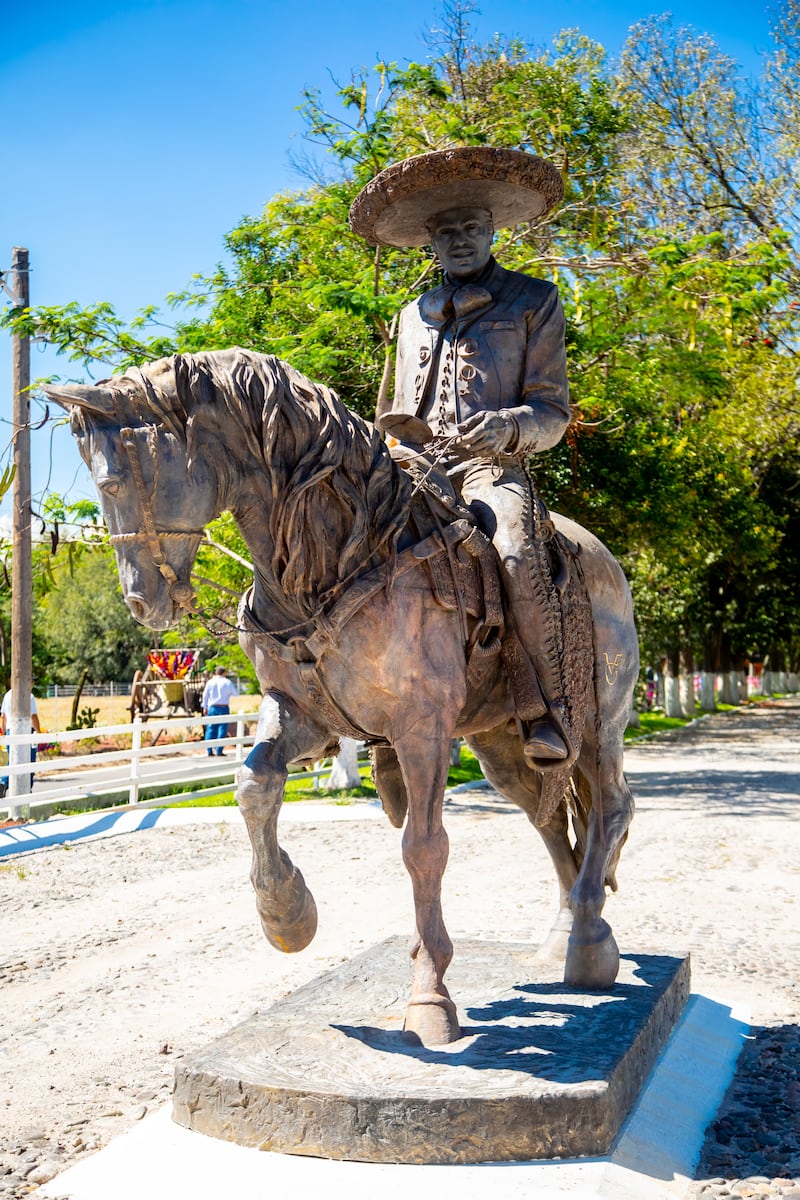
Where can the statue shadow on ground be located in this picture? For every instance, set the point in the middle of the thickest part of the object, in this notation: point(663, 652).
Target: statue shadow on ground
point(537, 1030)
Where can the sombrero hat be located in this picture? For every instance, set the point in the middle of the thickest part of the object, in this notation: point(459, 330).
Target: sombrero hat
point(393, 208)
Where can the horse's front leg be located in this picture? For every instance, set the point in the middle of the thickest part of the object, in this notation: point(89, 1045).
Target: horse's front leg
point(424, 761)
point(284, 903)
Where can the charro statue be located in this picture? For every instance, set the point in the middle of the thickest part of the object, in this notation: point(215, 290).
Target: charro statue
point(482, 360)
point(375, 609)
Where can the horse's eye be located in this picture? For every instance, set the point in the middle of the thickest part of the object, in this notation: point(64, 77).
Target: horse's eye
point(110, 485)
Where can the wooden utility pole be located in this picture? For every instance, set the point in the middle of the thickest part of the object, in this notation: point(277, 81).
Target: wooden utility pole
point(22, 571)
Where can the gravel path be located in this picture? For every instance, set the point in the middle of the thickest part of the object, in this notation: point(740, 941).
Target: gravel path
point(119, 956)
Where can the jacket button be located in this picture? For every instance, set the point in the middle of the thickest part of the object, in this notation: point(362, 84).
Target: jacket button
point(467, 347)
point(424, 354)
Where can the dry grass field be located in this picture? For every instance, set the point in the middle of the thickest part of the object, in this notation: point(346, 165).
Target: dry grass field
point(54, 714)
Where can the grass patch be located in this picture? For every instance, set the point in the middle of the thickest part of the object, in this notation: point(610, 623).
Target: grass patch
point(305, 789)
point(467, 771)
point(654, 722)
point(223, 800)
point(14, 869)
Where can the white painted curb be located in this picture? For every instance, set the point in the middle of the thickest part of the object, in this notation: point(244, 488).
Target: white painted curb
point(86, 827)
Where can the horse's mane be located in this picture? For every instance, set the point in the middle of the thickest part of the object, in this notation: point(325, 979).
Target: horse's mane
point(336, 501)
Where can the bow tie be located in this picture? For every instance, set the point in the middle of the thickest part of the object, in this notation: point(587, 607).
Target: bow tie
point(445, 303)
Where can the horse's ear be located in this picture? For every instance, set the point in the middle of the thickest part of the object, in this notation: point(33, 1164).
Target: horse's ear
point(80, 395)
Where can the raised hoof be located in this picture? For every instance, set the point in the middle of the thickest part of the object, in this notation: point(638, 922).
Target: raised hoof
point(432, 1020)
point(291, 928)
point(592, 959)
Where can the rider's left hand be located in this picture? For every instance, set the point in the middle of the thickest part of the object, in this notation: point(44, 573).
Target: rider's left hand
point(488, 433)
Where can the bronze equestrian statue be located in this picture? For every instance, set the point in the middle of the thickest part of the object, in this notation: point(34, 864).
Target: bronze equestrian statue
point(376, 608)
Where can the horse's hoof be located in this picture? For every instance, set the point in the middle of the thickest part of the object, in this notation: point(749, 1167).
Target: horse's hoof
point(291, 927)
point(432, 1020)
point(592, 958)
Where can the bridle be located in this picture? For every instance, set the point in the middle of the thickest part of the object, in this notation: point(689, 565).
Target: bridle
point(181, 591)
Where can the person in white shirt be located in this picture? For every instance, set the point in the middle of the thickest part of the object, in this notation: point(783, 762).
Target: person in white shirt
point(216, 702)
point(5, 718)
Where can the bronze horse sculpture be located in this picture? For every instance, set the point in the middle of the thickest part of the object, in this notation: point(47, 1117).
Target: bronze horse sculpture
point(324, 510)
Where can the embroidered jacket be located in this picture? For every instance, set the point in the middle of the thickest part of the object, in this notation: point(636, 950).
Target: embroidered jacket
point(495, 343)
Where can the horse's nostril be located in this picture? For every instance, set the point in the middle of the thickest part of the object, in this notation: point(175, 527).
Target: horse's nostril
point(136, 605)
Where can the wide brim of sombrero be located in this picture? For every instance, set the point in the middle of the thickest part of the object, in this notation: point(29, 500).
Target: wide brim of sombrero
point(393, 208)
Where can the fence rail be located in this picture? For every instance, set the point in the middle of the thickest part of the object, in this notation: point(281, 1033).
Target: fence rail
point(56, 691)
point(68, 690)
point(126, 771)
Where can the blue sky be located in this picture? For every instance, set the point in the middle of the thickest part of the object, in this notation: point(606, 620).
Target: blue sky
point(136, 133)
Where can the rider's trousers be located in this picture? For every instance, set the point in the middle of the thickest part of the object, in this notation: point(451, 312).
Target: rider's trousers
point(499, 492)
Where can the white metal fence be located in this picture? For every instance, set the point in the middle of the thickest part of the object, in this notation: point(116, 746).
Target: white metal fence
point(122, 775)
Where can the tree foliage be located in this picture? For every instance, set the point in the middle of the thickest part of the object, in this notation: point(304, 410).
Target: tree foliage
point(85, 623)
point(675, 251)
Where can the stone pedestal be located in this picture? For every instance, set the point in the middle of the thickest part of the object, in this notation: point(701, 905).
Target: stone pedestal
point(542, 1071)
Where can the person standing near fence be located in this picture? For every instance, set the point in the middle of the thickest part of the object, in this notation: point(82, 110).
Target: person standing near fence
point(216, 702)
point(5, 717)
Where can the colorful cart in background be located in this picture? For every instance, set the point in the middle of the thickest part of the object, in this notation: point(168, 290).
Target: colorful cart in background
point(170, 685)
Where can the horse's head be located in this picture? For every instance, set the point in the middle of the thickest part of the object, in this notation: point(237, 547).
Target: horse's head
point(155, 496)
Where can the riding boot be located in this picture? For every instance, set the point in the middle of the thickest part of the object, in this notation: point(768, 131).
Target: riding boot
point(535, 683)
point(543, 741)
point(508, 509)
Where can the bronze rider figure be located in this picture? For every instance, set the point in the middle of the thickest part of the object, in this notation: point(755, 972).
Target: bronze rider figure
point(482, 360)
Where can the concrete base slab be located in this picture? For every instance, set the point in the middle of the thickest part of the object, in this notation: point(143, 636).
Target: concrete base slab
point(653, 1158)
point(541, 1071)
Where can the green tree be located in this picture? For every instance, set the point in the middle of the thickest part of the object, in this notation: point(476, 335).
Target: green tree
point(675, 254)
point(85, 623)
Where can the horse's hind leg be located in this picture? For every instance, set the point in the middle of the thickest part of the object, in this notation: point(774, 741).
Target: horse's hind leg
point(606, 806)
point(555, 835)
point(499, 751)
point(284, 903)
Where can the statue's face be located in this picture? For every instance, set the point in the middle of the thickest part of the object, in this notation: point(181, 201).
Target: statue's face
point(462, 239)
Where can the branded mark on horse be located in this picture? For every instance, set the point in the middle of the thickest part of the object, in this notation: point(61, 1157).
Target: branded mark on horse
point(346, 636)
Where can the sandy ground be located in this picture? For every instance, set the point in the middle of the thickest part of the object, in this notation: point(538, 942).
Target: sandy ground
point(119, 956)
